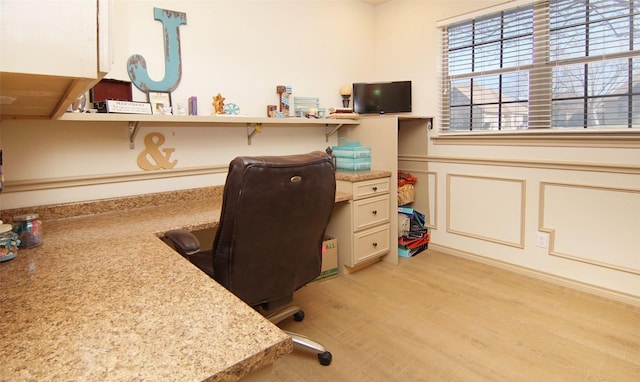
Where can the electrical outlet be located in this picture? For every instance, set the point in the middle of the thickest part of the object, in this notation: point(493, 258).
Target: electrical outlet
point(542, 240)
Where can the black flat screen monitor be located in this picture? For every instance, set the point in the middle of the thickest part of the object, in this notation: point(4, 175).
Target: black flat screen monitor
point(382, 97)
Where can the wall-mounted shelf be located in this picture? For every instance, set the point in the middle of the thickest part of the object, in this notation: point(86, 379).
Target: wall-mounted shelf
point(253, 124)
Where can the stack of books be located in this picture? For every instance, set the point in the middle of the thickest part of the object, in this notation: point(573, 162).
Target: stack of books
point(342, 113)
point(416, 238)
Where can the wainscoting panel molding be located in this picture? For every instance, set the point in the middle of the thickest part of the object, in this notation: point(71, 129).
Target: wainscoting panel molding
point(53, 183)
point(426, 185)
point(487, 208)
point(617, 168)
point(596, 225)
point(627, 138)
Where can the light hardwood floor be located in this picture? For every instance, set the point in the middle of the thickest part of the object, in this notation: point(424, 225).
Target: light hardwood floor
point(436, 317)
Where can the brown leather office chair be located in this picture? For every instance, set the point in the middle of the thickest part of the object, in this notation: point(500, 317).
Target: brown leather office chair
point(269, 240)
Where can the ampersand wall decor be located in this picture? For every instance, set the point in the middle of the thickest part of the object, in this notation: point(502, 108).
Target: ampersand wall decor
point(152, 158)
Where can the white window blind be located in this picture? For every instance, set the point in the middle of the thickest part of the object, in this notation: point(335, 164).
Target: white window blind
point(550, 64)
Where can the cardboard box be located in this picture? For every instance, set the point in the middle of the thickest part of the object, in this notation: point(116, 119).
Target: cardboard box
point(329, 259)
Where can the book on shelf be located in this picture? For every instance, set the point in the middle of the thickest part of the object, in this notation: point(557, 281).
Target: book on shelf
point(415, 216)
point(410, 252)
point(416, 238)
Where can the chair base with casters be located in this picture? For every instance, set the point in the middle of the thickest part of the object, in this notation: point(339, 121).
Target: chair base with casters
point(324, 356)
point(268, 244)
point(186, 244)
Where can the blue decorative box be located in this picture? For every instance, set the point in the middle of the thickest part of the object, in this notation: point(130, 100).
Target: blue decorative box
point(360, 164)
point(352, 156)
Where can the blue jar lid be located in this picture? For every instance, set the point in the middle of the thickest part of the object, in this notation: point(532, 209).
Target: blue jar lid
point(25, 217)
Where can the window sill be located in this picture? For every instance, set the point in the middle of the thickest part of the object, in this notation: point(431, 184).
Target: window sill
point(614, 138)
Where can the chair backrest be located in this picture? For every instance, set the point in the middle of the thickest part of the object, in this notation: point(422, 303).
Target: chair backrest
point(274, 214)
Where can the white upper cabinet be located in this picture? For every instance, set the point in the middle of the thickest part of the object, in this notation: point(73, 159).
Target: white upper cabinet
point(49, 54)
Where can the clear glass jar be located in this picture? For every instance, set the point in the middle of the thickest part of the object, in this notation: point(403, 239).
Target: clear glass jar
point(29, 230)
point(8, 243)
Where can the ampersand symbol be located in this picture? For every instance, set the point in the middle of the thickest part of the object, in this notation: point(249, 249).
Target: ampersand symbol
point(152, 143)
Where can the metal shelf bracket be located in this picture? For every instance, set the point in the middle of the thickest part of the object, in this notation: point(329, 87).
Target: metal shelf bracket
point(134, 127)
point(328, 133)
point(250, 133)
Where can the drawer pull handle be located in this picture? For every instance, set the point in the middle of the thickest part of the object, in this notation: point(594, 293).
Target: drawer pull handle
point(374, 212)
point(374, 188)
point(374, 244)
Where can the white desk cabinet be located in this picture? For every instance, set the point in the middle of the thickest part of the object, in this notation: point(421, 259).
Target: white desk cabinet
point(50, 54)
point(397, 142)
point(362, 225)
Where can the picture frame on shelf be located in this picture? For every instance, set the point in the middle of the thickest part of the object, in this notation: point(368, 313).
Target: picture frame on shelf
point(160, 102)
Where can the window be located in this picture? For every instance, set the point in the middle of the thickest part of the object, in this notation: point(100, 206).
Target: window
point(548, 64)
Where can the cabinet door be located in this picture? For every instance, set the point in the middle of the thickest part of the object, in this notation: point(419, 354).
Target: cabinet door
point(57, 38)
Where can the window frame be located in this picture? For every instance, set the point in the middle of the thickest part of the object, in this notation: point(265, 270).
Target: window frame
point(535, 69)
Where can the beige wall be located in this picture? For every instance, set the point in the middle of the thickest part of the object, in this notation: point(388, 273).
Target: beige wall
point(488, 201)
point(484, 201)
point(406, 44)
point(241, 49)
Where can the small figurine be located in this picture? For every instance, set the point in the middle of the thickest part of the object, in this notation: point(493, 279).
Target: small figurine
point(218, 104)
point(193, 105)
point(284, 92)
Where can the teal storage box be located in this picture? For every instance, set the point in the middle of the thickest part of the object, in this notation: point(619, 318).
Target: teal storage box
point(359, 164)
point(352, 156)
point(347, 149)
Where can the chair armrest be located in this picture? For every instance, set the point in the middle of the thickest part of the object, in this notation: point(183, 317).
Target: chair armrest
point(184, 241)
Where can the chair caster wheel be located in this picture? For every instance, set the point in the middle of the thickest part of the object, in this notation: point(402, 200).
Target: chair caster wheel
point(324, 358)
point(298, 316)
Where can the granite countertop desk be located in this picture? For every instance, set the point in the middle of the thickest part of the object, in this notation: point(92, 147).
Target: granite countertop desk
point(103, 298)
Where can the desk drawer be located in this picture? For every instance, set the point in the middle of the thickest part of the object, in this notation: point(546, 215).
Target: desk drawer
point(369, 212)
point(365, 188)
point(369, 188)
point(371, 243)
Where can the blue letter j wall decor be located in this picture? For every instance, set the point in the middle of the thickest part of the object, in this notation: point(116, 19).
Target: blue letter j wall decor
point(137, 66)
